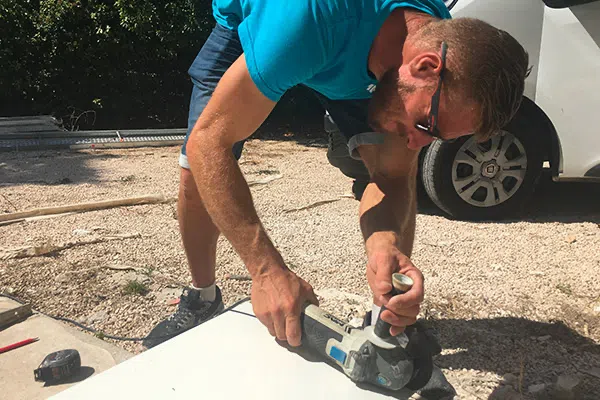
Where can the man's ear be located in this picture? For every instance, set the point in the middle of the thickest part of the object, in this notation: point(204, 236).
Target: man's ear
point(426, 66)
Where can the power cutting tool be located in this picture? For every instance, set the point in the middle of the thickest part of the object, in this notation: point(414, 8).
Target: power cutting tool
point(371, 355)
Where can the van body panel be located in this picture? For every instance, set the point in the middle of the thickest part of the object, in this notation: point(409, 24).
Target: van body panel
point(564, 52)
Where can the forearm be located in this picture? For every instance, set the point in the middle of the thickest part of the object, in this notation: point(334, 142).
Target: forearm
point(388, 215)
point(228, 200)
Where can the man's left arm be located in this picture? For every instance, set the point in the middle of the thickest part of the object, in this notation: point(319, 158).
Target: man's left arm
point(387, 220)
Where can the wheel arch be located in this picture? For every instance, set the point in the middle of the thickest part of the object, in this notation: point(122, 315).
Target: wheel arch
point(530, 110)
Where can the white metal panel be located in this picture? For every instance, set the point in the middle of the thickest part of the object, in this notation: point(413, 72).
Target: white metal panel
point(568, 87)
point(523, 19)
point(229, 357)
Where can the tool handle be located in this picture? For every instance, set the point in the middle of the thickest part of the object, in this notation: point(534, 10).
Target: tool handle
point(319, 326)
point(17, 345)
point(400, 285)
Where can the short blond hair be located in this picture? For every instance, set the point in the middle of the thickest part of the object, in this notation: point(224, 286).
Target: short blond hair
point(484, 64)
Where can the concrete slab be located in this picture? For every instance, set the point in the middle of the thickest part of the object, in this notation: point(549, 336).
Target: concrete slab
point(16, 366)
point(229, 357)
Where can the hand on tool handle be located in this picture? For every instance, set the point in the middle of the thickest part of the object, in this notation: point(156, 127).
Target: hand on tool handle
point(278, 297)
point(401, 310)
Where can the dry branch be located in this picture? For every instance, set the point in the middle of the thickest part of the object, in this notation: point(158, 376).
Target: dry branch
point(265, 180)
point(9, 202)
point(312, 205)
point(81, 207)
point(47, 248)
point(41, 217)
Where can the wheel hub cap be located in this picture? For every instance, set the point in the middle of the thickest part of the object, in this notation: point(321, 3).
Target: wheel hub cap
point(490, 169)
point(487, 174)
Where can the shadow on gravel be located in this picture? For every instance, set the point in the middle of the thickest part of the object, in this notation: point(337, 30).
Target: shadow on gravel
point(552, 202)
point(49, 167)
point(508, 345)
point(565, 202)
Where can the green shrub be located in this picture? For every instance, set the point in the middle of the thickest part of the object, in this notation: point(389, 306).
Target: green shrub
point(107, 63)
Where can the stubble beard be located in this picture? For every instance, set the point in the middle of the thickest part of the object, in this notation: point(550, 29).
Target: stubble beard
point(386, 108)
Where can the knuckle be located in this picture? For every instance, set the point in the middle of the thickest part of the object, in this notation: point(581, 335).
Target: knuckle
point(404, 259)
point(396, 306)
point(277, 311)
point(289, 308)
point(262, 316)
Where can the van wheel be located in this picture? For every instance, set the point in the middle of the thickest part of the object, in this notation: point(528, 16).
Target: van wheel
point(491, 180)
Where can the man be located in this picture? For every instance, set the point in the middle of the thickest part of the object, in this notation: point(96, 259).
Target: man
point(393, 76)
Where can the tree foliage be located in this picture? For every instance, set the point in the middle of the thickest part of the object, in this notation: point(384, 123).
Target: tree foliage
point(108, 63)
point(123, 61)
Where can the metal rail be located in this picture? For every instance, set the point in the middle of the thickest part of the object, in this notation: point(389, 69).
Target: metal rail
point(93, 140)
point(92, 134)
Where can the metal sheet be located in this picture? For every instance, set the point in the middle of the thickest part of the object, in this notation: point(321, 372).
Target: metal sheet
point(229, 357)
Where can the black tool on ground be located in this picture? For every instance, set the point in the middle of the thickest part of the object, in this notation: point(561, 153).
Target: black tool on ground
point(58, 366)
point(370, 354)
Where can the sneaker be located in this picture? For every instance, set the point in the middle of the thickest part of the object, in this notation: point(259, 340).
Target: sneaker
point(191, 311)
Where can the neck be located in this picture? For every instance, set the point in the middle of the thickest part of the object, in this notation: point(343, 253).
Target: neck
point(387, 49)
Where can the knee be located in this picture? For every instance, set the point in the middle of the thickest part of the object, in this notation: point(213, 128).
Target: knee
point(339, 157)
point(338, 153)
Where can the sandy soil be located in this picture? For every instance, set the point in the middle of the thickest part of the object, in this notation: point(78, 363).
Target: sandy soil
point(516, 303)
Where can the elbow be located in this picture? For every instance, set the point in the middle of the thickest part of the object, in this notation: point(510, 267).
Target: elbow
point(193, 146)
point(205, 149)
point(394, 185)
point(199, 147)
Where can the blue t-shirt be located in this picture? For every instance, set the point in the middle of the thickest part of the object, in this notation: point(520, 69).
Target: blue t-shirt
point(323, 44)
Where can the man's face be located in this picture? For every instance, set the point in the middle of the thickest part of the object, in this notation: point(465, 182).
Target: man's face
point(398, 105)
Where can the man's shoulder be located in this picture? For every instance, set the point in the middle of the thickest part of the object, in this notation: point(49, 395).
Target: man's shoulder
point(436, 8)
point(231, 13)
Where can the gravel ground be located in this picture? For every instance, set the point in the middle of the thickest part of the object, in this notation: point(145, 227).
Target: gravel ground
point(516, 303)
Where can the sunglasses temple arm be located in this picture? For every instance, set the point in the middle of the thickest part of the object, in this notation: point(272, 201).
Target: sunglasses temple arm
point(435, 100)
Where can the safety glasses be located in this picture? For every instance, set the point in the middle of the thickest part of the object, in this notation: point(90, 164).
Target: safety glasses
point(431, 127)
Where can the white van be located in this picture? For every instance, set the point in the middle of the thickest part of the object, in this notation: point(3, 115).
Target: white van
point(558, 123)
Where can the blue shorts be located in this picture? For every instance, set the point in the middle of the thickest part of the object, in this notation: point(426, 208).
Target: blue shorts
point(345, 121)
point(221, 49)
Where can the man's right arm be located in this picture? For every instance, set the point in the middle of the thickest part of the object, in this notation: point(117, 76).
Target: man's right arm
point(236, 109)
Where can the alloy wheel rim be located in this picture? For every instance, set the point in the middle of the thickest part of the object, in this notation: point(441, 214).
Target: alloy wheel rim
point(488, 174)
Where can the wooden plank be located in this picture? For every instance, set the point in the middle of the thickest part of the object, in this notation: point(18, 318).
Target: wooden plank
point(13, 315)
point(81, 207)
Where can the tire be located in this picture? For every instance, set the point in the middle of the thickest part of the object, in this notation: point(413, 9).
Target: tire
point(486, 181)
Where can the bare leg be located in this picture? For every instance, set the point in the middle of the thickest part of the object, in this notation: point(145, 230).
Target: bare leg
point(198, 232)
